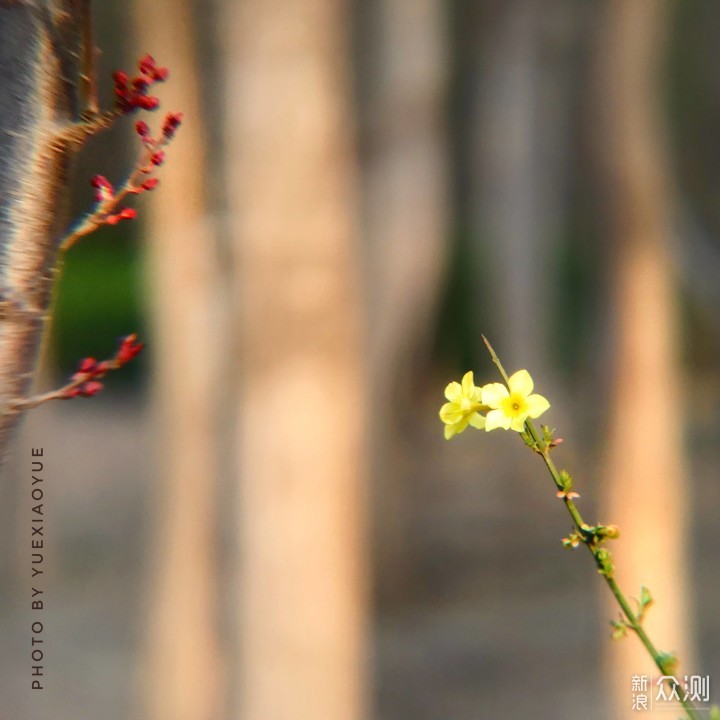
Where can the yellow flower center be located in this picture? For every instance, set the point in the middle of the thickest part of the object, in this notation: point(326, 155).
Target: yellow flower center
point(514, 406)
point(466, 404)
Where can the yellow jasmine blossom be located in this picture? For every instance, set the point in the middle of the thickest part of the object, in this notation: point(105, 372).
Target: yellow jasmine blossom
point(509, 409)
point(463, 408)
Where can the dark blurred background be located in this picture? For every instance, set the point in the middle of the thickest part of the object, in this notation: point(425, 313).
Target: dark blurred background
point(259, 518)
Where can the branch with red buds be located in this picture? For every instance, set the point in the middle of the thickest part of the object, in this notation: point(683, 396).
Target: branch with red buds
point(52, 99)
point(85, 382)
point(131, 96)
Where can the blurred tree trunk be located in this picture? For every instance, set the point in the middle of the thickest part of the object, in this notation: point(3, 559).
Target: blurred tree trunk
point(508, 244)
point(182, 666)
point(519, 154)
point(291, 190)
point(645, 487)
point(406, 218)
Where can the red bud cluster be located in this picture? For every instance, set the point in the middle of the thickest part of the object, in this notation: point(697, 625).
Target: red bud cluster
point(131, 94)
point(103, 188)
point(124, 214)
point(171, 124)
point(85, 381)
point(105, 194)
point(129, 349)
point(88, 389)
point(150, 69)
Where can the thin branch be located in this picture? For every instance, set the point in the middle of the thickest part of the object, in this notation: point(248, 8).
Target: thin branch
point(86, 381)
point(600, 555)
point(106, 210)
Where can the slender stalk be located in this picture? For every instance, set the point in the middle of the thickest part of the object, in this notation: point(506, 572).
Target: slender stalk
point(633, 621)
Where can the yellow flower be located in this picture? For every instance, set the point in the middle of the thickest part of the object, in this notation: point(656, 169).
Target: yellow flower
point(462, 410)
point(510, 409)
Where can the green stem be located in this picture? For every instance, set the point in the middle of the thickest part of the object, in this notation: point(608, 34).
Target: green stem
point(632, 620)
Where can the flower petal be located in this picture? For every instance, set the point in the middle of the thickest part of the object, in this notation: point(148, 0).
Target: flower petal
point(493, 394)
point(461, 425)
point(453, 392)
point(477, 421)
point(451, 413)
point(468, 384)
point(497, 419)
point(521, 383)
point(518, 423)
point(450, 431)
point(536, 405)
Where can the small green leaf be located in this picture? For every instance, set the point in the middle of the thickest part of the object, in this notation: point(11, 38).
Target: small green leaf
point(645, 602)
point(645, 598)
point(604, 560)
point(620, 629)
point(572, 540)
point(668, 663)
point(548, 434)
point(528, 440)
point(566, 481)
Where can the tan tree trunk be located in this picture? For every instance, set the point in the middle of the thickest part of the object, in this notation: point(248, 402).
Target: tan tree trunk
point(291, 188)
point(182, 668)
point(406, 218)
point(644, 488)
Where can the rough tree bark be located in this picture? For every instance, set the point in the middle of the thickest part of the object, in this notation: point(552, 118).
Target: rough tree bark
point(645, 487)
point(182, 678)
point(291, 188)
point(42, 99)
